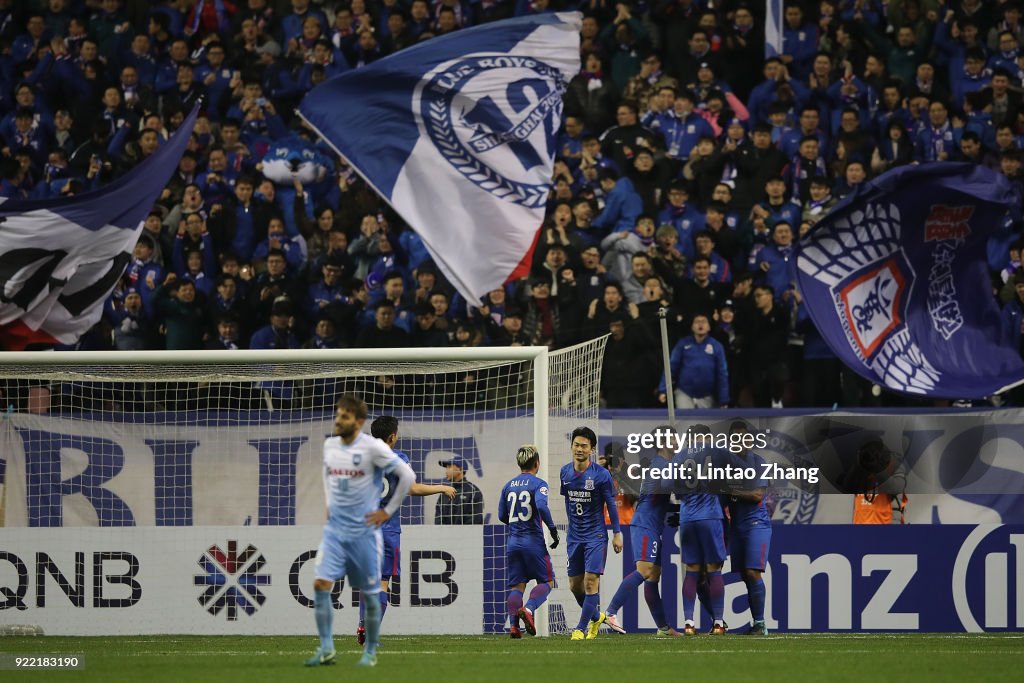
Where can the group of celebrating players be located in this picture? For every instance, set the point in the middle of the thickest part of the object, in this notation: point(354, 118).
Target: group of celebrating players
point(366, 480)
point(707, 510)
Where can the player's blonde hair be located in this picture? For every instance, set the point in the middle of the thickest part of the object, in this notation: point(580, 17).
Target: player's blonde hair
point(526, 455)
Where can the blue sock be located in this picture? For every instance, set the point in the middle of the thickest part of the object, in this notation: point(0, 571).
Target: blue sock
point(373, 615)
point(628, 586)
point(704, 597)
point(653, 597)
point(590, 608)
point(689, 594)
point(362, 611)
point(755, 592)
point(538, 595)
point(716, 590)
point(384, 599)
point(324, 612)
point(513, 603)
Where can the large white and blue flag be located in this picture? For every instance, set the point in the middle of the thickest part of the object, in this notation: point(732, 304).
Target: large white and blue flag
point(61, 258)
point(895, 279)
point(772, 28)
point(458, 135)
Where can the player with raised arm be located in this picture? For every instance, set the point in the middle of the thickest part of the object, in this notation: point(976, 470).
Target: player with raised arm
point(750, 529)
point(703, 539)
point(523, 507)
point(645, 533)
point(354, 469)
point(385, 428)
point(588, 491)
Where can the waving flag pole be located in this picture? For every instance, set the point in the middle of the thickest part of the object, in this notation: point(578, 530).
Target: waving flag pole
point(458, 135)
point(61, 258)
point(896, 281)
point(772, 28)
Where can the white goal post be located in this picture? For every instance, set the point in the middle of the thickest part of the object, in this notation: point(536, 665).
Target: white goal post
point(174, 492)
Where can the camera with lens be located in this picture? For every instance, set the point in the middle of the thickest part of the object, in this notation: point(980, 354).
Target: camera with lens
point(613, 455)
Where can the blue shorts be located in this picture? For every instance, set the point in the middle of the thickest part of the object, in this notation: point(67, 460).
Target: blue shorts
point(749, 547)
point(586, 557)
point(356, 558)
point(522, 566)
point(646, 544)
point(391, 565)
point(703, 542)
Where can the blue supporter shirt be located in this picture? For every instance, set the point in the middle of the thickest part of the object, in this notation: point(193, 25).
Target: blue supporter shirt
point(698, 502)
point(524, 507)
point(393, 525)
point(586, 495)
point(746, 515)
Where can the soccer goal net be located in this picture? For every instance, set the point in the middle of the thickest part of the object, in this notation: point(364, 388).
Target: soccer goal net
point(181, 492)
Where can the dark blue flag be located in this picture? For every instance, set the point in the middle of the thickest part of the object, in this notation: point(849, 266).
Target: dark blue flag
point(896, 281)
point(61, 258)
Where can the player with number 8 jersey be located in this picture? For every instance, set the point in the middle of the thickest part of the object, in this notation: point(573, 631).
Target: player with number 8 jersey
point(588, 491)
point(524, 507)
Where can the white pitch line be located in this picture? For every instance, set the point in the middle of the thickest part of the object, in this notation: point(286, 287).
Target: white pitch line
point(389, 652)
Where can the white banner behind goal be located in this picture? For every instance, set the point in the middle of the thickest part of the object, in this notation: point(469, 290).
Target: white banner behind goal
point(224, 581)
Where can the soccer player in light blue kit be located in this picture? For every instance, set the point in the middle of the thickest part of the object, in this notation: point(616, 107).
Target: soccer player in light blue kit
point(703, 536)
point(588, 490)
point(523, 507)
point(385, 428)
point(354, 468)
point(750, 531)
point(645, 534)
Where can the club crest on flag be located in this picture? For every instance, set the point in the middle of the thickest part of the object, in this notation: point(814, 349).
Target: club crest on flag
point(860, 259)
point(518, 116)
point(872, 302)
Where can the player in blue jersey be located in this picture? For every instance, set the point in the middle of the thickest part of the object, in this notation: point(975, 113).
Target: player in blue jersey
point(524, 507)
point(703, 536)
point(645, 533)
point(385, 428)
point(588, 491)
point(750, 529)
point(354, 469)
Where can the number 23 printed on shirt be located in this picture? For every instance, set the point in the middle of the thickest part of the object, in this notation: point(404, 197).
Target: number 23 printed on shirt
point(520, 508)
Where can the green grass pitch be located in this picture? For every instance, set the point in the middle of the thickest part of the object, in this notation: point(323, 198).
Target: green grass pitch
point(455, 659)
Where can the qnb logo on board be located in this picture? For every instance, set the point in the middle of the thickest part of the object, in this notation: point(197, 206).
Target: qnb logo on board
point(989, 569)
point(232, 580)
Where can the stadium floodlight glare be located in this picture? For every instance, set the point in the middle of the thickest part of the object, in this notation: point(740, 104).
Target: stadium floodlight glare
point(189, 446)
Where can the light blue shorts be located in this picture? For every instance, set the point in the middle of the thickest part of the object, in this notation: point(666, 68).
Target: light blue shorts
point(358, 558)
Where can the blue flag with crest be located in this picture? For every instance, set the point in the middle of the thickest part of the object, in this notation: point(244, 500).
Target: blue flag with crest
point(458, 134)
point(896, 281)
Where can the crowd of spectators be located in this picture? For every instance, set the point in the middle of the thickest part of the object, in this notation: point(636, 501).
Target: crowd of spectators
point(686, 167)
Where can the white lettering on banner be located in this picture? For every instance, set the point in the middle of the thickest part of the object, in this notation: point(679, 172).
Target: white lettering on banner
point(996, 582)
point(877, 614)
point(840, 588)
point(1017, 541)
point(255, 580)
point(225, 466)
